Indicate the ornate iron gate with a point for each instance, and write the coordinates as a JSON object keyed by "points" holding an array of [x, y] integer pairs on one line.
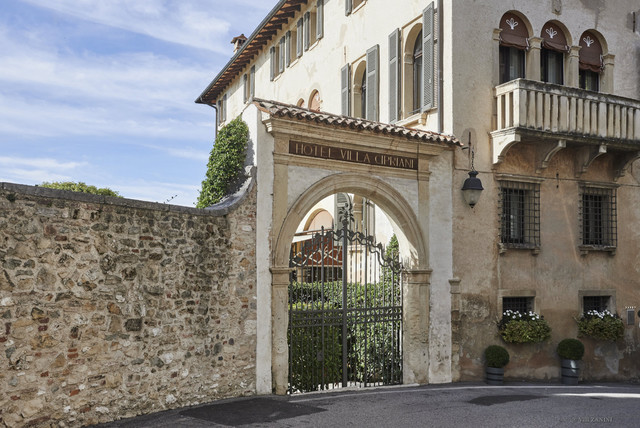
{"points": [[345, 312]]}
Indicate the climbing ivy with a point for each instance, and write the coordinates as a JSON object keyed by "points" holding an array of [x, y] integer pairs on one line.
{"points": [[225, 162], [80, 187]]}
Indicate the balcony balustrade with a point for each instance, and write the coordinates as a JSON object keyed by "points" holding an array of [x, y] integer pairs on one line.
{"points": [[554, 117]]}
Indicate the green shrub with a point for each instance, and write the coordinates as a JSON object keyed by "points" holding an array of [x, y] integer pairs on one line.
{"points": [[80, 187], [600, 325], [225, 162], [570, 349], [496, 356], [527, 327]]}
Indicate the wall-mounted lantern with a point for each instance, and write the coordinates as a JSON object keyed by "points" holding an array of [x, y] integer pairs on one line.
{"points": [[472, 187]]}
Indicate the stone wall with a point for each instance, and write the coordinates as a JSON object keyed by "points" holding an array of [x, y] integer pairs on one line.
{"points": [[111, 308]]}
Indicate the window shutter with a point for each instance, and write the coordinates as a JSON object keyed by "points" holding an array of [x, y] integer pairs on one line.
{"points": [[348, 6], [252, 82], [219, 112], [307, 31], [427, 58], [281, 52], [287, 49], [299, 37], [372, 83], [394, 76], [224, 108], [345, 86], [319, 19], [272, 55], [245, 88]]}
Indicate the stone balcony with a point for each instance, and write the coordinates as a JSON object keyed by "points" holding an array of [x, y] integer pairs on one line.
{"points": [[554, 117]]}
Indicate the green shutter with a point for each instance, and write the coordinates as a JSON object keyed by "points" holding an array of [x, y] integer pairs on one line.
{"points": [[394, 76], [372, 83], [281, 52], [307, 31], [427, 58], [345, 87], [245, 88], [319, 19], [272, 57], [299, 37], [252, 82], [287, 49], [348, 6]]}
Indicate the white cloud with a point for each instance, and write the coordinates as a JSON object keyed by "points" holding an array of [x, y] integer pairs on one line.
{"points": [[192, 23], [36, 170]]}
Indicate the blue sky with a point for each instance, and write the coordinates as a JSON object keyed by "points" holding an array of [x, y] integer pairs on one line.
{"points": [[102, 91]]}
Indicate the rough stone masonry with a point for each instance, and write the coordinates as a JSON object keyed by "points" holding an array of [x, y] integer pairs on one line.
{"points": [[111, 308]]}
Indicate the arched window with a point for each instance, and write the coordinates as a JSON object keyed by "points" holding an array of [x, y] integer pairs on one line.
{"points": [[554, 47], [363, 96], [300, 103], [514, 40], [417, 74], [590, 61], [314, 101]]}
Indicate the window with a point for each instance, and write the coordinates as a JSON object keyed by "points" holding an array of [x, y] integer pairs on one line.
{"points": [[417, 74], [314, 101], [222, 109], [598, 217], [520, 214], [345, 88], [595, 303], [590, 61], [514, 40], [287, 48], [394, 76], [319, 19], [363, 96], [517, 304], [351, 5], [554, 47]]}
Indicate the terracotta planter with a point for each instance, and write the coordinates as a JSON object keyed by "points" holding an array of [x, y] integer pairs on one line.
{"points": [[570, 372], [494, 375]]}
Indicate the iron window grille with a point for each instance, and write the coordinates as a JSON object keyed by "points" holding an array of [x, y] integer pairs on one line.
{"points": [[595, 303], [598, 217], [517, 304], [519, 214]]}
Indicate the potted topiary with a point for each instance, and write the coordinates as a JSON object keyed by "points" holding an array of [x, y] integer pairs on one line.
{"points": [[496, 357], [571, 352]]}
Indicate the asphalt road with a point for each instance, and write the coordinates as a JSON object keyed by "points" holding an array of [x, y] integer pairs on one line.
{"points": [[452, 405]]}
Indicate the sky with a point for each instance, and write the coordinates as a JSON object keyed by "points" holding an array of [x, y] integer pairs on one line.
{"points": [[103, 91]]}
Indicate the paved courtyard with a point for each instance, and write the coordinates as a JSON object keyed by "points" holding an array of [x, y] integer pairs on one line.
{"points": [[451, 405]]}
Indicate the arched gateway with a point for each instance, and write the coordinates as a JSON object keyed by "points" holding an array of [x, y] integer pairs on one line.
{"points": [[302, 157]]}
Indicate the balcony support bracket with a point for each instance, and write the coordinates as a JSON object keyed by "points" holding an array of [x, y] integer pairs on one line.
{"points": [[586, 155], [622, 162], [546, 151], [501, 142]]}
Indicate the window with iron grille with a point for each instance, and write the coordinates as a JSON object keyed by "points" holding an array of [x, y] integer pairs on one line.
{"points": [[517, 304], [520, 214], [598, 223], [595, 303]]}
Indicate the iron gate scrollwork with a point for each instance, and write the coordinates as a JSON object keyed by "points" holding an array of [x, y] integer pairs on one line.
{"points": [[345, 312]]}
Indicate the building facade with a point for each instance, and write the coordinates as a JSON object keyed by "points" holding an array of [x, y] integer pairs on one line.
{"points": [[542, 99]]}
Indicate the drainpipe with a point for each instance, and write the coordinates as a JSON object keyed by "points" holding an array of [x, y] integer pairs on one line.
{"points": [[440, 59]]}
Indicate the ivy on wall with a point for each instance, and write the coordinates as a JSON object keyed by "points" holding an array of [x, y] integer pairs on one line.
{"points": [[225, 162], [80, 187]]}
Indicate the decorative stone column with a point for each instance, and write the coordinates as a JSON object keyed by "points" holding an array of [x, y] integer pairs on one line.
{"points": [[280, 322], [573, 67], [416, 327], [532, 60], [607, 76]]}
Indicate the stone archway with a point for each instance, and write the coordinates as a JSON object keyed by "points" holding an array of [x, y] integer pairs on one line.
{"points": [[413, 251]]}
